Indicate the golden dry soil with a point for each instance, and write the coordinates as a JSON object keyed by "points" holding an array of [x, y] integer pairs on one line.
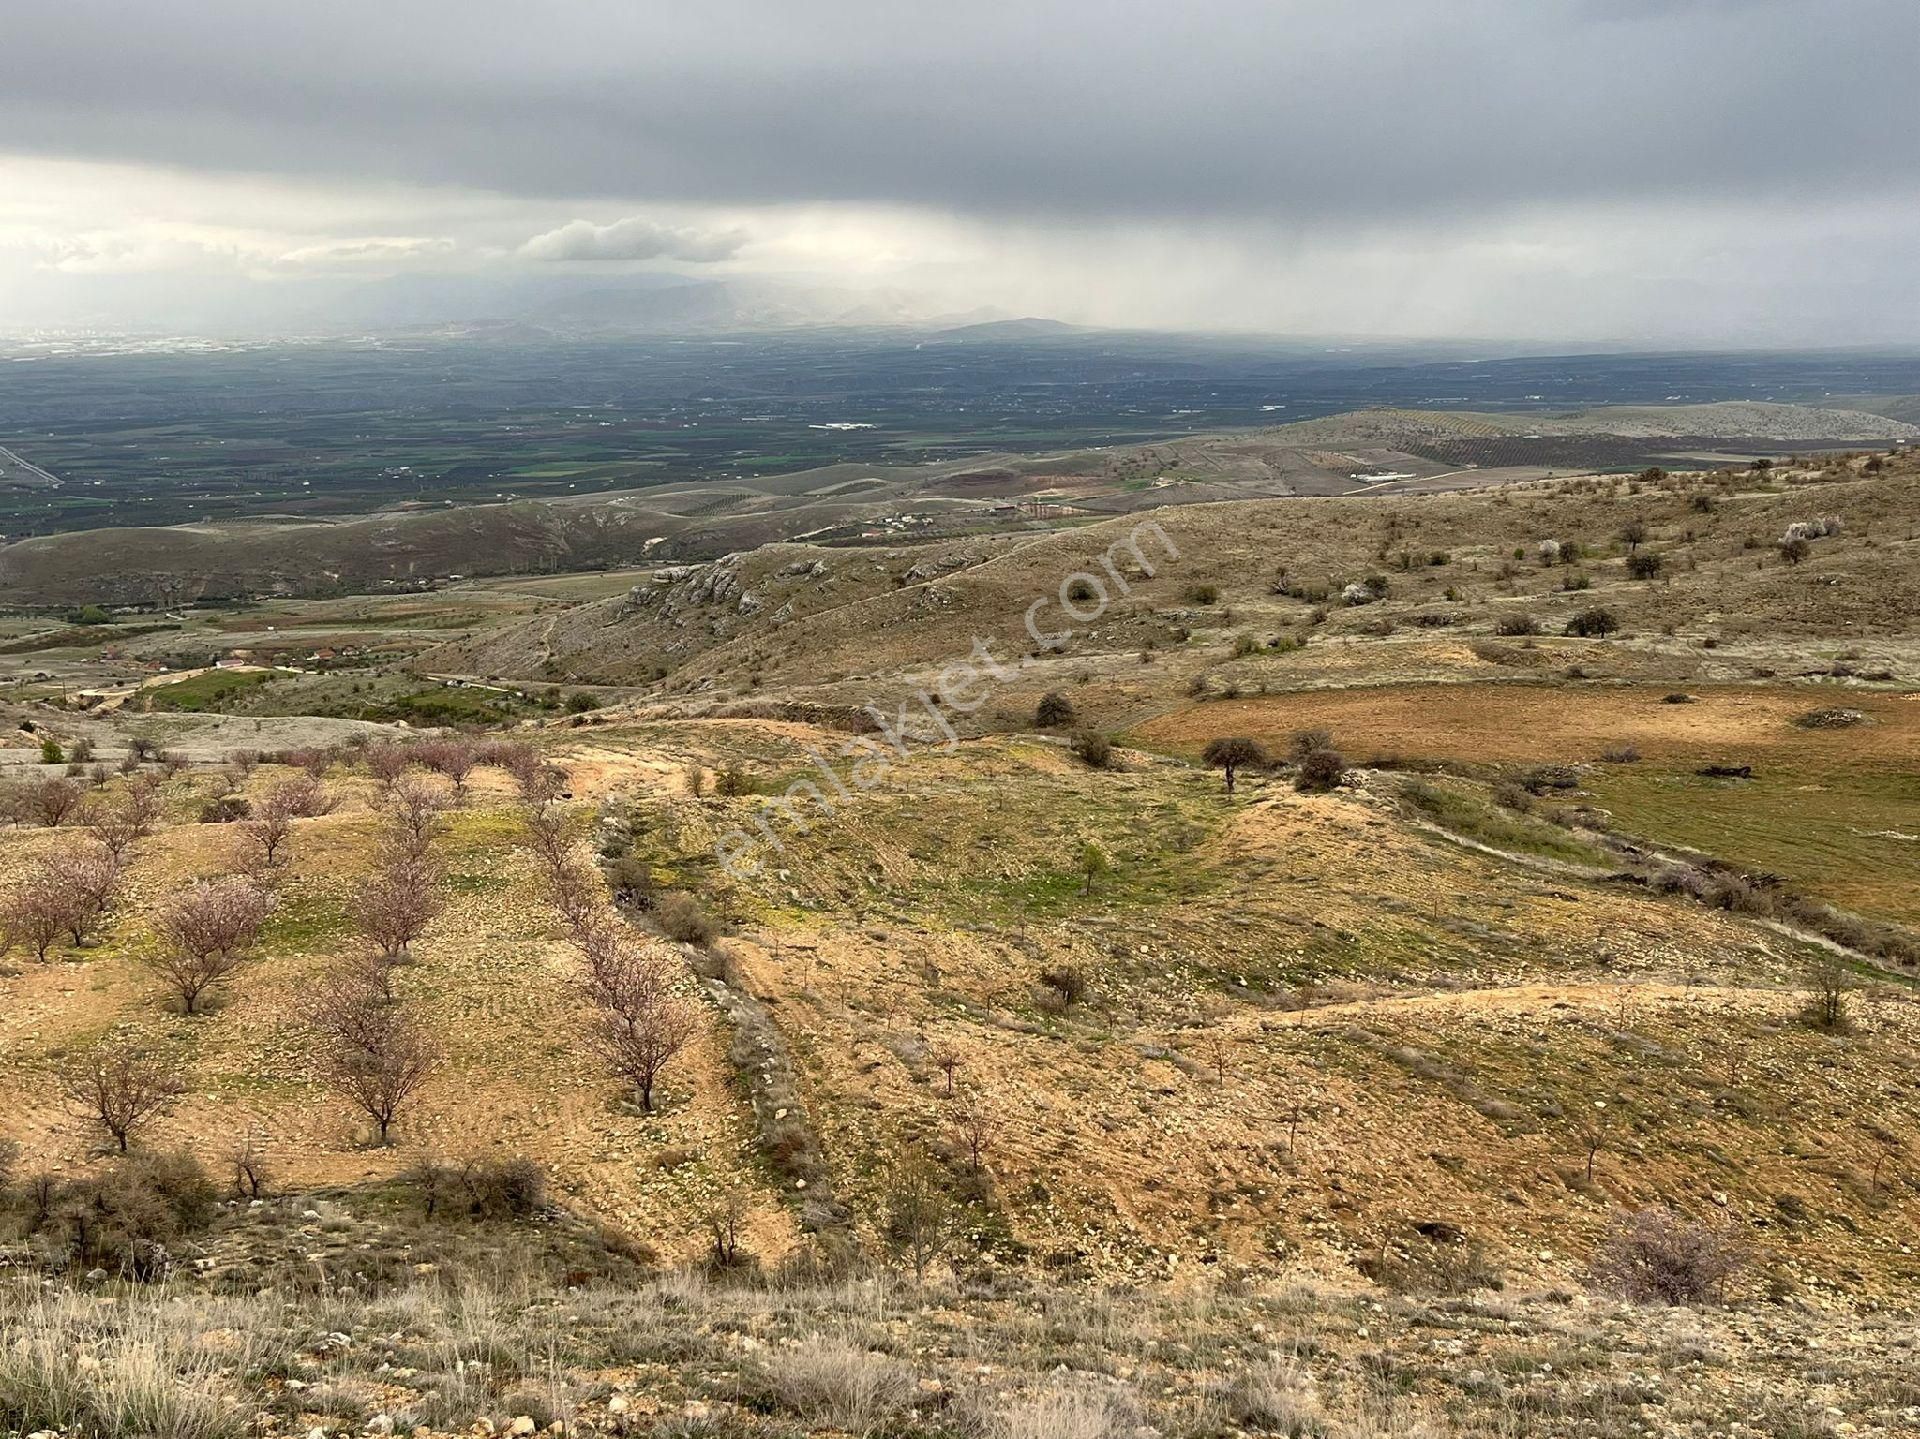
{"points": [[1563, 723], [1307, 1025], [490, 979]]}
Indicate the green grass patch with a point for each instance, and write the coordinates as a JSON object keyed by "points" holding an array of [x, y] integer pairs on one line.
{"points": [[1850, 836], [216, 691], [1454, 808]]}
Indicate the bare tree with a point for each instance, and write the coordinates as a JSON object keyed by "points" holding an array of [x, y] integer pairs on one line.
{"points": [[121, 1090], [207, 934], [917, 1213], [51, 801], [539, 782], [396, 904], [414, 812], [370, 1049], [455, 758], [975, 1126], [251, 1175], [91, 877], [387, 762], [1829, 980], [127, 817], [726, 1217], [37, 911], [546, 831], [947, 1059], [266, 833], [303, 796], [644, 1021], [573, 886]]}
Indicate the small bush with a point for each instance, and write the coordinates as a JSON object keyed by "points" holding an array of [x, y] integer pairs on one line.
{"points": [[1066, 981], [1521, 624], [513, 1188], [1594, 624], [630, 881], [733, 781], [1273, 1396], [1831, 719], [1620, 754], [1320, 772], [1659, 1257], [1093, 749], [1054, 710], [682, 917], [832, 1384], [132, 1219], [1201, 594], [228, 809], [1509, 795], [1542, 778], [1678, 697]]}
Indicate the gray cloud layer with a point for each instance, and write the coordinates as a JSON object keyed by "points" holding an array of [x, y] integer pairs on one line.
{"points": [[1315, 108], [1604, 168], [633, 239]]}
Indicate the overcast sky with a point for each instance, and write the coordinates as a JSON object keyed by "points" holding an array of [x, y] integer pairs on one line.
{"points": [[1636, 170]]}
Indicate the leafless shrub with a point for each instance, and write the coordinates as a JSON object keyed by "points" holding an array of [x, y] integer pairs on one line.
{"points": [[1273, 1396], [539, 783], [1067, 982], [832, 1384], [682, 917], [207, 934], [1307, 741], [369, 1049], [630, 881], [387, 762], [414, 812], [394, 905], [131, 1221], [36, 912], [49, 802], [1829, 981], [1093, 748], [916, 1212], [1656, 1256], [947, 1059], [122, 1091], [976, 1124], [303, 797], [726, 1219], [511, 1188], [455, 758], [643, 1021], [251, 1175], [1054, 710]]}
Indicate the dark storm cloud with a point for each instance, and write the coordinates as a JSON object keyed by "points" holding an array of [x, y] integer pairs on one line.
{"points": [[1315, 111]]}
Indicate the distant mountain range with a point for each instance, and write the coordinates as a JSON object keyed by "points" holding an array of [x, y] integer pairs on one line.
{"points": [[531, 306]]}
